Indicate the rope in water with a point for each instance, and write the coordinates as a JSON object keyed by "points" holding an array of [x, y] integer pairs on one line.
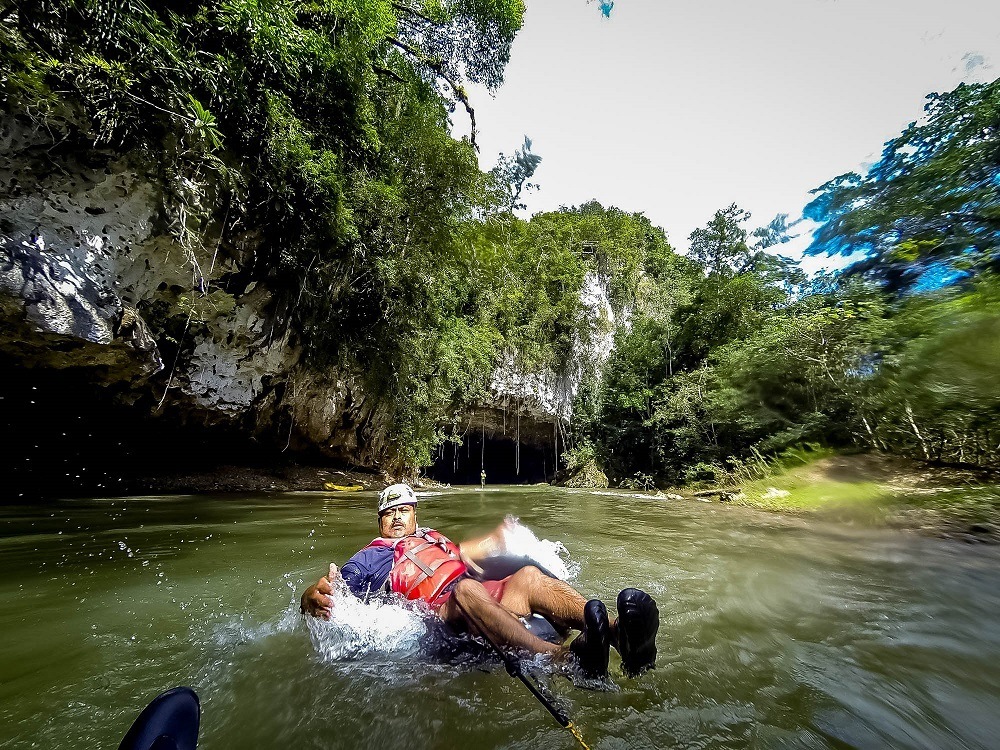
{"points": [[576, 733], [513, 667]]}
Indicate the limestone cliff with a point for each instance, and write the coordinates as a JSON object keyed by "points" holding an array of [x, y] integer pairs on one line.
{"points": [[120, 271], [523, 423], [547, 396], [114, 268]]}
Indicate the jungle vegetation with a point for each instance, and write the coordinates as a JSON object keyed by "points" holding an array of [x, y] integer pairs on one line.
{"points": [[320, 132], [733, 351], [318, 135]]}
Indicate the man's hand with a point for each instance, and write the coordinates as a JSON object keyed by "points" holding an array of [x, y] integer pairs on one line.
{"points": [[494, 543], [316, 600]]}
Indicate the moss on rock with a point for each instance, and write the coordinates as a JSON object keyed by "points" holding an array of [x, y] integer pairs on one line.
{"points": [[588, 476]]}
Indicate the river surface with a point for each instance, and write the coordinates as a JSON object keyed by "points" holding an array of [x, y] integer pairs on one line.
{"points": [[775, 632]]}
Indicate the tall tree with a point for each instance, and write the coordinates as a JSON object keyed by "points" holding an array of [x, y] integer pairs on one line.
{"points": [[929, 210], [721, 245], [454, 41]]}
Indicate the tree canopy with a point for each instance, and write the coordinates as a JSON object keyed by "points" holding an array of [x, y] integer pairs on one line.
{"points": [[316, 139], [929, 210]]}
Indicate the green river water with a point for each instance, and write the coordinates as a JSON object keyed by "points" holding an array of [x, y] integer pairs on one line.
{"points": [[775, 632]]}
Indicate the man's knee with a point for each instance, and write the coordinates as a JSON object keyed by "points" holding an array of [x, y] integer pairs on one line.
{"points": [[464, 596], [528, 576], [468, 590]]}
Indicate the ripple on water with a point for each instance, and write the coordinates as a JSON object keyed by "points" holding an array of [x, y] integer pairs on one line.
{"points": [[776, 632]]}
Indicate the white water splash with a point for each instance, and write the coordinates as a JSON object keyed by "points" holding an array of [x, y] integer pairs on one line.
{"points": [[357, 628], [519, 540], [239, 629]]}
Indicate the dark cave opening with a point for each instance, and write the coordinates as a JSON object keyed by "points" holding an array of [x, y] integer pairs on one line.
{"points": [[504, 461], [65, 436]]}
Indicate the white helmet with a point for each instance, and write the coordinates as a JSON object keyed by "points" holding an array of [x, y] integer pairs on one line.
{"points": [[396, 494]]}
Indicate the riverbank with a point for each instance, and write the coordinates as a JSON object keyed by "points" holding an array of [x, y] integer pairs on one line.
{"points": [[877, 489], [869, 489], [290, 477]]}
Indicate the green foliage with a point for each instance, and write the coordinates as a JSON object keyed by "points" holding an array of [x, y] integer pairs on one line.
{"points": [[735, 357], [931, 202], [205, 125], [324, 127], [470, 37], [528, 276], [757, 466], [800, 375], [935, 394], [721, 245], [726, 354], [578, 457], [639, 481], [744, 357], [514, 172], [703, 473]]}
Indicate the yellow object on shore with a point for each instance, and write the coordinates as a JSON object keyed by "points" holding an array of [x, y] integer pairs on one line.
{"points": [[342, 487]]}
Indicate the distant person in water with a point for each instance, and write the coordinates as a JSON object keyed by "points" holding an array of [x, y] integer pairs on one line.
{"points": [[419, 563], [482, 479]]}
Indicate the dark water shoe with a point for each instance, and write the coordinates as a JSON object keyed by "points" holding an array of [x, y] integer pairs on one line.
{"points": [[638, 621], [593, 645]]}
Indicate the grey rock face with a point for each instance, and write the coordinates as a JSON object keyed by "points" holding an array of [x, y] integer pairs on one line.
{"points": [[65, 226], [46, 298], [89, 237], [58, 295]]}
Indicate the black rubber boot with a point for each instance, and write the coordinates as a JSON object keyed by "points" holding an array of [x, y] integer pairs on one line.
{"points": [[592, 647], [638, 621]]}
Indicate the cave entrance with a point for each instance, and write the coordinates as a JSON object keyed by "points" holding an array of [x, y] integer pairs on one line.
{"points": [[498, 455], [69, 437]]}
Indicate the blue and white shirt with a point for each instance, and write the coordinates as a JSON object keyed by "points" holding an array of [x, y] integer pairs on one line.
{"points": [[367, 573]]}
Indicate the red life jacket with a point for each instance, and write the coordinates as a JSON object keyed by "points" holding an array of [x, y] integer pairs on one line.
{"points": [[423, 564]]}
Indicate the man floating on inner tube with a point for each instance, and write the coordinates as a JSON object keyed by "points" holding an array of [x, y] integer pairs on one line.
{"points": [[420, 563]]}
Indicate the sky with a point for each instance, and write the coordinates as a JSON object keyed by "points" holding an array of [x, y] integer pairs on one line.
{"points": [[678, 108]]}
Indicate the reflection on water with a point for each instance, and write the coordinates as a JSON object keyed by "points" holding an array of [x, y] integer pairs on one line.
{"points": [[775, 632]]}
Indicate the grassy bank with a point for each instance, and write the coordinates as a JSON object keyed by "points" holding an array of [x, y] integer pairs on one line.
{"points": [[878, 489]]}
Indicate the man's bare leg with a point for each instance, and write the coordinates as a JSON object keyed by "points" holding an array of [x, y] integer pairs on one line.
{"points": [[530, 591], [471, 603]]}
